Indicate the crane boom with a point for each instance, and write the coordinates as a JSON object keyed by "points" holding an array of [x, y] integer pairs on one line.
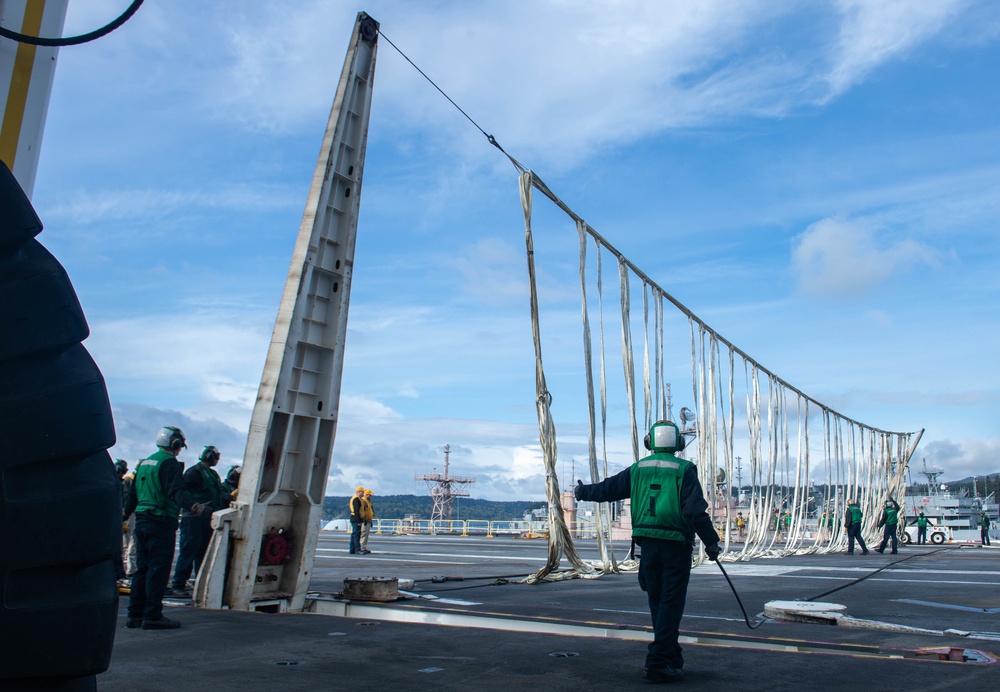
{"points": [[262, 550]]}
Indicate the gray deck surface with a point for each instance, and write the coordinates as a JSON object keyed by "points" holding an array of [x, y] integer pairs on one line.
{"points": [[418, 643]]}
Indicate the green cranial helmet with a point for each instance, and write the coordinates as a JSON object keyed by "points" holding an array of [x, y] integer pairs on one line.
{"points": [[121, 466], [171, 439], [210, 455], [664, 436]]}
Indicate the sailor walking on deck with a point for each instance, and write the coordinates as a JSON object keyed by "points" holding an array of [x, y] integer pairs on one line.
{"points": [[852, 522], [890, 521], [984, 527], [668, 509]]}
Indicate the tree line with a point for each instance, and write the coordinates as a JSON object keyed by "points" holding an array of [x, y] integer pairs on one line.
{"points": [[399, 506]]}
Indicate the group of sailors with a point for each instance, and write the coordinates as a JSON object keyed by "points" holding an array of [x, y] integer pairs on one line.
{"points": [[157, 497], [888, 521], [362, 513]]}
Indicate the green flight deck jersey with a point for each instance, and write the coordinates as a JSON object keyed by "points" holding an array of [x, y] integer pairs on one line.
{"points": [[656, 491], [151, 495]]}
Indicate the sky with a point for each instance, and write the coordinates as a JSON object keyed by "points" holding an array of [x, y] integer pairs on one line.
{"points": [[818, 181]]}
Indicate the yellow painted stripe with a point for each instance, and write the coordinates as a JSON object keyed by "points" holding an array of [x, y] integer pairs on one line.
{"points": [[17, 97]]}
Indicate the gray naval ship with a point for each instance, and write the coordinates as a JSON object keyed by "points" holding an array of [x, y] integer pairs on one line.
{"points": [[953, 515]]}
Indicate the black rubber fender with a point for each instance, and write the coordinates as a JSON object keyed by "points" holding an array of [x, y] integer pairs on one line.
{"points": [[60, 499], [41, 311]]}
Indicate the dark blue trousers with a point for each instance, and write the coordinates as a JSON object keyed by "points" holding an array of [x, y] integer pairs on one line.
{"points": [[153, 555], [664, 572], [356, 538], [888, 533], [854, 532], [196, 532]]}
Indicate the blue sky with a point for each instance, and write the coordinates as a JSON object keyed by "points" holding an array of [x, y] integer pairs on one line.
{"points": [[819, 182]]}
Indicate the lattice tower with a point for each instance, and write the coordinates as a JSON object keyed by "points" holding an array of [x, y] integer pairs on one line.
{"points": [[444, 489]]}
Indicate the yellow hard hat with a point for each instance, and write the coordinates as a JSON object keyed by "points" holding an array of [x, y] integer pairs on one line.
{"points": [[358, 489], [368, 492]]}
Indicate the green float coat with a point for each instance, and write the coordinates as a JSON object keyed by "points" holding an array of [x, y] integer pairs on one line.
{"points": [[656, 492], [211, 490], [151, 495]]}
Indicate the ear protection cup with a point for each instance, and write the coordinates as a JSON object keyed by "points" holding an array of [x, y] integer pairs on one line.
{"points": [[171, 439], [645, 442], [681, 443]]}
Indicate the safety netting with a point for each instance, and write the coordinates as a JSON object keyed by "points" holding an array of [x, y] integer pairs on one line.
{"points": [[794, 460]]}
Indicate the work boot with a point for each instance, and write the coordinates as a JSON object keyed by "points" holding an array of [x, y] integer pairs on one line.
{"points": [[132, 623], [174, 592], [163, 623], [865, 552], [666, 674]]}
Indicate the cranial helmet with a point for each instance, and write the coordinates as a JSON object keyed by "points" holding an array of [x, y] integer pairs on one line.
{"points": [[121, 466], [171, 439], [234, 474], [210, 455], [664, 436]]}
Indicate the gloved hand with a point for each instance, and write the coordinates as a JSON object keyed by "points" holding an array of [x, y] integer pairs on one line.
{"points": [[203, 509], [124, 527], [576, 490], [713, 551]]}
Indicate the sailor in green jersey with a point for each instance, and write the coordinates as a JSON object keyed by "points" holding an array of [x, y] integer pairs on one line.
{"points": [[921, 528], [668, 509], [852, 522], [890, 521], [984, 527], [232, 483], [203, 484], [156, 497]]}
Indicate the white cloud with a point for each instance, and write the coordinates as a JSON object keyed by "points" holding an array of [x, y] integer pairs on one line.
{"points": [[581, 76], [167, 357], [873, 33], [93, 206], [838, 258], [960, 459]]}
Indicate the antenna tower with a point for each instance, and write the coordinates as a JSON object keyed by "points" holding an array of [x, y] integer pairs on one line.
{"points": [[932, 476], [444, 489]]}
